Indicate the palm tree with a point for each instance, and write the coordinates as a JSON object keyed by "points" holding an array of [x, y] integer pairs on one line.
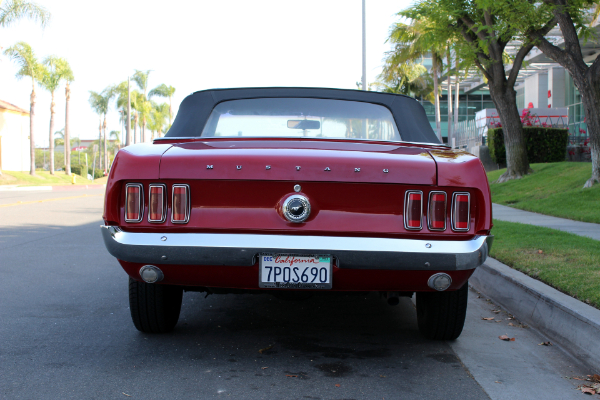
{"points": [[64, 70], [61, 137], [23, 55], [50, 81], [99, 103], [158, 116], [14, 10], [117, 136], [413, 42], [141, 80], [164, 91], [409, 78]]}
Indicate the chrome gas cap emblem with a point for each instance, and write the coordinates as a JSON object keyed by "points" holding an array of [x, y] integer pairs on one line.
{"points": [[296, 208]]}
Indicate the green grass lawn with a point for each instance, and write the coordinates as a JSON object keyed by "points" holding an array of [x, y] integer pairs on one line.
{"points": [[42, 178], [567, 262], [553, 189]]}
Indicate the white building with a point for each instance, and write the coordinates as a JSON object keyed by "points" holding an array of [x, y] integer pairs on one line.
{"points": [[14, 138]]}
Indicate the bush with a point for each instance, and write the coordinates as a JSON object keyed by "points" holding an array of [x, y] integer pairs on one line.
{"points": [[543, 144], [80, 170]]}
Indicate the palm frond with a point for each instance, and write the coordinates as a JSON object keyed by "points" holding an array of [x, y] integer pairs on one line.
{"points": [[23, 55], [141, 79], [162, 91], [14, 10]]}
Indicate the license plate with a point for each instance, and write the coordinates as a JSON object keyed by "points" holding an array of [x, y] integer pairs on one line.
{"points": [[289, 271]]}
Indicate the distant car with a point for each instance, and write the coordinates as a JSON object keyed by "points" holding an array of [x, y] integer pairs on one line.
{"points": [[292, 191]]}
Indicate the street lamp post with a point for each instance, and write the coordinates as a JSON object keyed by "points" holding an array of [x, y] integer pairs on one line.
{"points": [[364, 48]]}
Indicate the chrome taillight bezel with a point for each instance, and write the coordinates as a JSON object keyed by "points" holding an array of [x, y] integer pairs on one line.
{"points": [[429, 211], [187, 209], [164, 208], [406, 196], [453, 216], [141, 200]]}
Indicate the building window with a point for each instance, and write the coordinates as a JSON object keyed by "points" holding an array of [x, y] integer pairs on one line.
{"points": [[521, 98], [578, 131]]}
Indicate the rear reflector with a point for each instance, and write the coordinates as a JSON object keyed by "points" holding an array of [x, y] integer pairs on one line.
{"points": [[461, 218], [156, 203], [181, 204], [413, 210], [436, 216], [134, 202]]}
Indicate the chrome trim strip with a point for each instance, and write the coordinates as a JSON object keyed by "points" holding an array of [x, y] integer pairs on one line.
{"points": [[429, 210], [164, 209], [141, 205], [406, 194], [445, 146], [187, 210], [241, 249], [452, 219]]}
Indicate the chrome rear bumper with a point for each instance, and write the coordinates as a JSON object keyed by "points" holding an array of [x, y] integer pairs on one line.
{"points": [[242, 249]]}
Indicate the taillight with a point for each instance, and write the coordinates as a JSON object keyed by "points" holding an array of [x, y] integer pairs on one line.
{"points": [[461, 218], [413, 210], [181, 204], [134, 202], [157, 203], [436, 215]]}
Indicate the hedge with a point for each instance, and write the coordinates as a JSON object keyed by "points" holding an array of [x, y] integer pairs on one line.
{"points": [[77, 169], [543, 144]]}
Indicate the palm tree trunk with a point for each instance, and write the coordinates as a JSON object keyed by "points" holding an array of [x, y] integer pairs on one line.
{"points": [[135, 126], [51, 143], [99, 144], [456, 92], [31, 118], [449, 99], [170, 112], [67, 135], [105, 146], [438, 129]]}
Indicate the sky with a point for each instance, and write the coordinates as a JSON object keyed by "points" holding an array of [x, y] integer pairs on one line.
{"points": [[195, 45]]}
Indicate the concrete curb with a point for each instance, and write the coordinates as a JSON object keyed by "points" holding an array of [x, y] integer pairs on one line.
{"points": [[13, 188], [565, 320]]}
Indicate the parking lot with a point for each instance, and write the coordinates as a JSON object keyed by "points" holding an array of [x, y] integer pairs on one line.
{"points": [[66, 332]]}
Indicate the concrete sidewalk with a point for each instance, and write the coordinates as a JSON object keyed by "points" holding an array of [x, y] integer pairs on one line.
{"points": [[15, 188], [504, 213]]}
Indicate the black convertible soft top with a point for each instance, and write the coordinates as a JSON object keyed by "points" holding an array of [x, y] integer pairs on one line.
{"points": [[196, 108]]}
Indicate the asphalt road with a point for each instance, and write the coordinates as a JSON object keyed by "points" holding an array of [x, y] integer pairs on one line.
{"points": [[66, 332]]}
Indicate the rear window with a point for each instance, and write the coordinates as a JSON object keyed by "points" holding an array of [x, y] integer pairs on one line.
{"points": [[301, 117]]}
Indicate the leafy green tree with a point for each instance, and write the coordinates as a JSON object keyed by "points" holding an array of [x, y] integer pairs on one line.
{"points": [[167, 92], [484, 27], [22, 54], [573, 17], [14, 10]]}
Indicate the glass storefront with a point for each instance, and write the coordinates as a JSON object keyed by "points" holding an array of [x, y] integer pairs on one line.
{"points": [[469, 104], [577, 127]]}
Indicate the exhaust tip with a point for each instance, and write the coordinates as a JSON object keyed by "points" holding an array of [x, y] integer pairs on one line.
{"points": [[393, 298], [151, 274], [439, 281]]}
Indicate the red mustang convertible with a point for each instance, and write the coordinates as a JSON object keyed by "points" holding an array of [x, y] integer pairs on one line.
{"points": [[292, 191]]}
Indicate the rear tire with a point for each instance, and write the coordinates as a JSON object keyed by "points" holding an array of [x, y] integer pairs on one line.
{"points": [[441, 315], [154, 308]]}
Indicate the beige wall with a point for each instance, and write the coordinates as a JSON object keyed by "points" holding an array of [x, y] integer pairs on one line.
{"points": [[14, 133]]}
